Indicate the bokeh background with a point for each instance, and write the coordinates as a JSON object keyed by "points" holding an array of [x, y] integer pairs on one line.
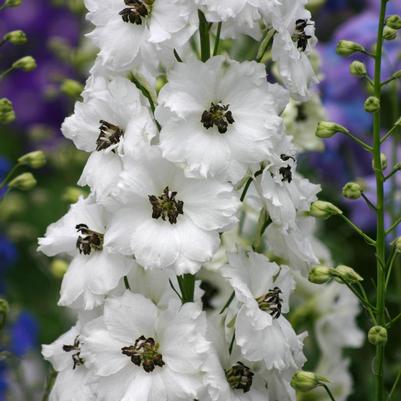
{"points": [[30, 282]]}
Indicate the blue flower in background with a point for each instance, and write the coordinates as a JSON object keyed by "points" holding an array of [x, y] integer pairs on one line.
{"points": [[24, 334], [8, 253]]}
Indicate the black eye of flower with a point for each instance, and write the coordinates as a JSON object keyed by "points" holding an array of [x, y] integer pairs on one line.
{"points": [[218, 115], [135, 11], [89, 240], [299, 36], [166, 206], [110, 134], [271, 302], [240, 377], [76, 349]]}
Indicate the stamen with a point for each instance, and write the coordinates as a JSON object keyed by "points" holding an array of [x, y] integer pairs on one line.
{"points": [[219, 115], [166, 206], [144, 352], [299, 36], [271, 302], [89, 241], [240, 377], [110, 134], [78, 361], [135, 11]]}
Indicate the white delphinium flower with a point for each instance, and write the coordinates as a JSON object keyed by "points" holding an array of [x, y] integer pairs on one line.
{"points": [[129, 32], [220, 117], [113, 122], [294, 245], [166, 219], [139, 352], [292, 43], [301, 119], [262, 289], [73, 377], [285, 193], [228, 375], [94, 271]]}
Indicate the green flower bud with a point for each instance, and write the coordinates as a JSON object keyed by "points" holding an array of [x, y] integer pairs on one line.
{"points": [[26, 64], [322, 209], [397, 244], [58, 267], [24, 182], [72, 194], [345, 273], [36, 159], [389, 33], [305, 381], [326, 129], [4, 309], [346, 48], [383, 162], [16, 37], [319, 274], [352, 190], [12, 3], [372, 104], [7, 114], [72, 88], [377, 335], [358, 69], [394, 21]]}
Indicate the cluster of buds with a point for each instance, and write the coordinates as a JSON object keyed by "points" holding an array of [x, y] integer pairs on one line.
{"points": [[321, 274]]}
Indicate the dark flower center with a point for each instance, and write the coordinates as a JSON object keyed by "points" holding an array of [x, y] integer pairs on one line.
{"points": [[271, 302], [89, 240], [218, 115], [166, 206], [76, 349], [135, 11], [144, 352], [240, 377], [286, 172], [301, 113], [299, 36], [110, 134]]}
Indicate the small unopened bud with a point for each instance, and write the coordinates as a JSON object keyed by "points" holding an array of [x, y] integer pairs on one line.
{"points": [[383, 162], [352, 190], [7, 114], [372, 104], [72, 194], [394, 21], [24, 182], [58, 268], [4, 309], [345, 273], [324, 210], [397, 244], [358, 69], [326, 129], [377, 335], [16, 37], [319, 274], [26, 64], [389, 33], [36, 159], [72, 88], [12, 3], [346, 48], [305, 381]]}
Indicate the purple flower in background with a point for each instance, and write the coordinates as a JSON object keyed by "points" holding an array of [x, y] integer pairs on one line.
{"points": [[8, 253], [24, 333]]}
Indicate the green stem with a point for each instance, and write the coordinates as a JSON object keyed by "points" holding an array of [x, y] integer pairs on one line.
{"points": [[366, 237], [4, 73], [390, 396], [228, 303], [8, 176], [217, 42], [394, 320], [389, 133], [394, 225], [50, 382], [330, 394], [204, 36], [380, 230], [367, 147], [187, 287]]}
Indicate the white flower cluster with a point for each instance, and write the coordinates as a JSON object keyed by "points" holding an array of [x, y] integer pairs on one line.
{"points": [[164, 222]]}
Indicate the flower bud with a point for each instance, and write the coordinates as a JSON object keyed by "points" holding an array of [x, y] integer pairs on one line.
{"points": [[36, 159], [305, 381], [358, 69], [72, 194], [4, 309], [383, 162], [319, 274], [394, 21], [377, 335], [58, 268], [71, 88], [326, 129], [322, 209], [26, 64], [397, 244], [7, 114], [24, 182], [352, 190], [12, 3], [346, 48], [372, 104], [16, 37], [389, 33], [345, 273]]}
